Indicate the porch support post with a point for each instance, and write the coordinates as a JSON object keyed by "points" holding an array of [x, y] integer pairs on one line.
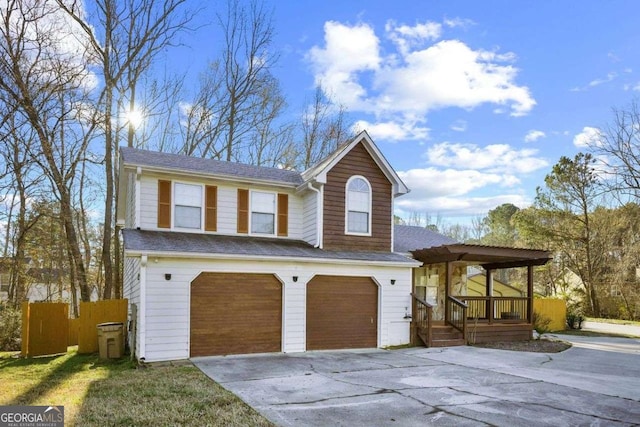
{"points": [[413, 326], [489, 300], [447, 290], [529, 293]]}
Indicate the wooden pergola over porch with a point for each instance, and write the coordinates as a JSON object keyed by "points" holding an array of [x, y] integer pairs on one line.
{"points": [[494, 314]]}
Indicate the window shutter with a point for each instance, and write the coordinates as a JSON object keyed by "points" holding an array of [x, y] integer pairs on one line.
{"points": [[211, 208], [243, 210], [164, 204], [283, 215]]}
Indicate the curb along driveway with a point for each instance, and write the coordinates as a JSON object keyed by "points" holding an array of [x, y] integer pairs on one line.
{"points": [[589, 384]]}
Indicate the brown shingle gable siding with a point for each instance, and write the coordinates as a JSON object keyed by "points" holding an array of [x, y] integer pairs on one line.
{"points": [[357, 162]]}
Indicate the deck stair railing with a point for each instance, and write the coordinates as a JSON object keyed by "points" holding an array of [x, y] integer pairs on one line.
{"points": [[457, 314], [422, 317]]}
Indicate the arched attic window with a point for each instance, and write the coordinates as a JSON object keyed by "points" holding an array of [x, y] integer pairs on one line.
{"points": [[358, 206]]}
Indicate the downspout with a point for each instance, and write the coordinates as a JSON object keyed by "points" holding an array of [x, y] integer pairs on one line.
{"points": [[319, 212], [136, 219], [142, 313]]}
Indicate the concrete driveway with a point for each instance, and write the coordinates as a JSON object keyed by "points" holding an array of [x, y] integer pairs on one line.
{"points": [[597, 382]]}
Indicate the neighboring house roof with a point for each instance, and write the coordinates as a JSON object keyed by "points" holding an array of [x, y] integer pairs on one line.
{"points": [[319, 171], [167, 162], [6, 263], [150, 242], [410, 238], [496, 283]]}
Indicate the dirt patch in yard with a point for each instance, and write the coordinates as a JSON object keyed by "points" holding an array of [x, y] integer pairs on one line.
{"points": [[533, 346]]}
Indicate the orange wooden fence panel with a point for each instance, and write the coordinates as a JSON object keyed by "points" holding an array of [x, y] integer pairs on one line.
{"points": [[45, 328], [94, 313], [74, 326]]}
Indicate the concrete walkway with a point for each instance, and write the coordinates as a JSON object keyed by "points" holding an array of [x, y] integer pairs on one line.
{"points": [[597, 382]]}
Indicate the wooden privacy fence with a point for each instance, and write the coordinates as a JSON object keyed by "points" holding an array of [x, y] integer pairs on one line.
{"points": [[553, 308], [94, 313], [47, 329]]}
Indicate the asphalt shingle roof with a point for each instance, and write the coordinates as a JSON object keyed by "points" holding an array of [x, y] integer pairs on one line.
{"points": [[171, 241], [177, 162], [409, 238]]}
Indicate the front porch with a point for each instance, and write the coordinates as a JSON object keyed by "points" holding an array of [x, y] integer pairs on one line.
{"points": [[442, 306]]}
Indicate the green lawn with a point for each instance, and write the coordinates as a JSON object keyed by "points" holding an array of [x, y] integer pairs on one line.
{"points": [[96, 392]]}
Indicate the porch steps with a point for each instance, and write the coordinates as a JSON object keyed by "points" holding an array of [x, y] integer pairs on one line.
{"points": [[445, 336]]}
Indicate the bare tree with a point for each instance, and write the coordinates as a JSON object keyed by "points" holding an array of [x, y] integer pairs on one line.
{"points": [[238, 101], [24, 181], [324, 128], [130, 36], [45, 80], [619, 148]]}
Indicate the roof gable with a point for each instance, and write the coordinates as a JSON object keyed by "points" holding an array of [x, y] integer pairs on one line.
{"points": [[319, 171]]}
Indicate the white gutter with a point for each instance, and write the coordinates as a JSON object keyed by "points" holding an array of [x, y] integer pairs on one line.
{"points": [[220, 177], [319, 211], [308, 260], [142, 325]]}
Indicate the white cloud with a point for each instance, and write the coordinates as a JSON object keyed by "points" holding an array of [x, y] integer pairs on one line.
{"points": [[458, 22], [445, 191], [348, 51], [468, 206], [459, 126], [418, 75], [597, 82], [433, 182], [588, 137], [499, 158], [449, 74], [394, 130], [406, 37], [534, 135]]}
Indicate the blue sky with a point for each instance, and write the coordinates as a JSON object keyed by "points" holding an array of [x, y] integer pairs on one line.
{"points": [[472, 102]]}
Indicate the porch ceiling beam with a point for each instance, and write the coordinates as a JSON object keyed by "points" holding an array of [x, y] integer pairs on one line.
{"points": [[518, 263]]}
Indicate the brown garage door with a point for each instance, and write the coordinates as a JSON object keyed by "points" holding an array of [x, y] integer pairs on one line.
{"points": [[235, 313], [342, 312]]}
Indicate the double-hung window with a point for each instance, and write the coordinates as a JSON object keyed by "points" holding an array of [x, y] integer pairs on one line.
{"points": [[263, 212], [187, 206], [358, 204]]}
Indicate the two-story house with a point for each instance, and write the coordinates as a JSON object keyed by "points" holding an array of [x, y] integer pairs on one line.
{"points": [[226, 258]]}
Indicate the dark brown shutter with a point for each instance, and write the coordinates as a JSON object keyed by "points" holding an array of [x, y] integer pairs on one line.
{"points": [[164, 204], [211, 208], [283, 215], [243, 210]]}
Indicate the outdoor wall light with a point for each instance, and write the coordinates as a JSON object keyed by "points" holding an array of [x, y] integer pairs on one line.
{"points": [[167, 276], [393, 281], [295, 278]]}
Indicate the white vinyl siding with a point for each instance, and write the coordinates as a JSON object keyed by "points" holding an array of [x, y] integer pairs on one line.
{"points": [[130, 213], [168, 301], [227, 209], [310, 218]]}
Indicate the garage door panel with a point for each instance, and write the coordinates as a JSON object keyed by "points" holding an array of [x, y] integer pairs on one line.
{"points": [[235, 314], [342, 313]]}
